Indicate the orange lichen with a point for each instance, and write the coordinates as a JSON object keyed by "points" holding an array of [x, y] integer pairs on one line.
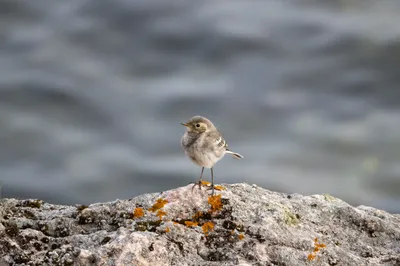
{"points": [[197, 216], [158, 205], [167, 230], [205, 183], [219, 188], [160, 214], [138, 212], [207, 227], [241, 236], [317, 248], [190, 224], [215, 202], [311, 257]]}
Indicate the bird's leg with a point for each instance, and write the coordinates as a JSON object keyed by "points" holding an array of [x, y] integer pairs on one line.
{"points": [[200, 179], [212, 181]]}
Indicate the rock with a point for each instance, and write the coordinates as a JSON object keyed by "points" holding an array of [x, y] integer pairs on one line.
{"points": [[241, 225]]}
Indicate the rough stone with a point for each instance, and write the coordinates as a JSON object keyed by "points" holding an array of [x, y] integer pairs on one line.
{"points": [[245, 225]]}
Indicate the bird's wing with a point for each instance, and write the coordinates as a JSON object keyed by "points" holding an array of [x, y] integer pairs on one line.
{"points": [[218, 139], [219, 142]]}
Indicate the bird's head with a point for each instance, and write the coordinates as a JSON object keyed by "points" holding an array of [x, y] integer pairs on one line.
{"points": [[198, 124]]}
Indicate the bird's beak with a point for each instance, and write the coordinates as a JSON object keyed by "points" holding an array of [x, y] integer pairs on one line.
{"points": [[185, 124]]}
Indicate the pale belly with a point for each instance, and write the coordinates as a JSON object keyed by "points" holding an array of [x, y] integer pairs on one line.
{"points": [[207, 160]]}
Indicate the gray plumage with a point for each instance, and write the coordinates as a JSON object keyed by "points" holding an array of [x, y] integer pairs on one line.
{"points": [[204, 144]]}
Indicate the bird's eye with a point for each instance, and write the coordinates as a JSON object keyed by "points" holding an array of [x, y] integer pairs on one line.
{"points": [[197, 125]]}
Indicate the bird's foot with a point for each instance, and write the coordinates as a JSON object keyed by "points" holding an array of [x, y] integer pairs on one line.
{"points": [[196, 184], [200, 183], [212, 188], [215, 187]]}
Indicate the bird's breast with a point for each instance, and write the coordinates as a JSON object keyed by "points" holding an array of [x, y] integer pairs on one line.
{"points": [[201, 156]]}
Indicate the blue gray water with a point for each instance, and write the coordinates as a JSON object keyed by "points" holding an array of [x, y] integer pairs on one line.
{"points": [[92, 93]]}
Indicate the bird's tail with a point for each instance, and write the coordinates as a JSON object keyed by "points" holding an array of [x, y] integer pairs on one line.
{"points": [[235, 155]]}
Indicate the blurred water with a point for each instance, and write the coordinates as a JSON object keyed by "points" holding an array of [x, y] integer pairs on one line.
{"points": [[92, 93]]}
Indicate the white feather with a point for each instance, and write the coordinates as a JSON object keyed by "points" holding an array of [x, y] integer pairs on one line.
{"points": [[235, 154]]}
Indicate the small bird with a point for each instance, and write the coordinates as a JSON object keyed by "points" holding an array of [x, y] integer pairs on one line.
{"points": [[204, 145]]}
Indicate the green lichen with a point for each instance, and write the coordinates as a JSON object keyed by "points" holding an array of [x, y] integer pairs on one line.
{"points": [[240, 228], [290, 218], [141, 227], [80, 208], [32, 203], [329, 198], [150, 226]]}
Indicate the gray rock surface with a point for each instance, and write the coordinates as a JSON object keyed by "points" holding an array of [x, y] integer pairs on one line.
{"points": [[245, 225]]}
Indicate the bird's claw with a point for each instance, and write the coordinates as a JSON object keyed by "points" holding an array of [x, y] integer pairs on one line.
{"points": [[211, 187], [202, 183], [198, 183]]}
